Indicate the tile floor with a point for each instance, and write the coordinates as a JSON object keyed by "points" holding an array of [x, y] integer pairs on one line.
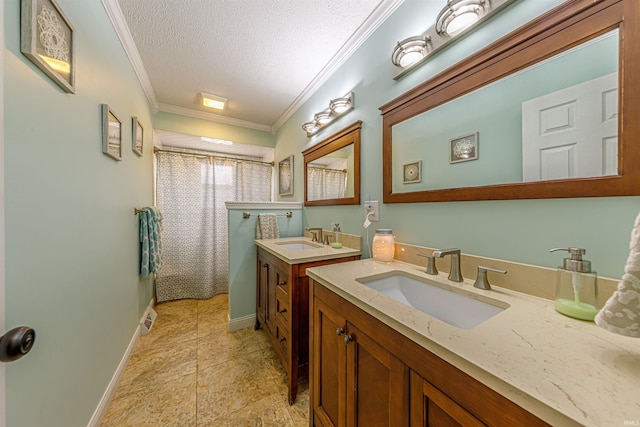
{"points": [[189, 371]]}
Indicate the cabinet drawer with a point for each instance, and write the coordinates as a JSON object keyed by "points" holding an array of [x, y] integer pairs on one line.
{"points": [[282, 280], [282, 344], [283, 310]]}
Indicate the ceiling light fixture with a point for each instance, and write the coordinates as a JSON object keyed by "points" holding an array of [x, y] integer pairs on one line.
{"points": [[213, 101], [410, 50], [216, 141], [337, 107], [458, 15]]}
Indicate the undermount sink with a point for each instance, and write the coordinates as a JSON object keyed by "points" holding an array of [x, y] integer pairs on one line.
{"points": [[298, 245], [451, 305]]}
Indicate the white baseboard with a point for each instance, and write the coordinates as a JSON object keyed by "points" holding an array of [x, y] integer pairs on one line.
{"points": [[241, 322], [100, 411]]}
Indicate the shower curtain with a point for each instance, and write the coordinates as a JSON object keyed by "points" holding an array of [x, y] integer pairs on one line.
{"points": [[324, 183], [191, 194]]}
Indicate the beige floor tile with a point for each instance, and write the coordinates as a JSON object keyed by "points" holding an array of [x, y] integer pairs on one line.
{"points": [[190, 371]]}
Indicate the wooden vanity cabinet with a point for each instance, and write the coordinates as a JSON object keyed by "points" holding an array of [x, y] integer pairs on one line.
{"points": [[364, 373], [282, 310]]}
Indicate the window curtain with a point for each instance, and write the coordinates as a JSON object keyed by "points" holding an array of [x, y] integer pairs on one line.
{"points": [[323, 183], [191, 194]]}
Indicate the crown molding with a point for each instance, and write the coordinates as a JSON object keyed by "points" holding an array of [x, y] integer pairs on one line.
{"points": [[174, 109], [122, 30], [375, 19]]}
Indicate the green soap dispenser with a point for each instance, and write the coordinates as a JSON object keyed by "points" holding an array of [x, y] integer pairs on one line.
{"points": [[576, 287]]}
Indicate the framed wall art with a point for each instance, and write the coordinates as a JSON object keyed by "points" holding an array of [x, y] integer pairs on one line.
{"points": [[137, 137], [463, 148], [285, 176], [47, 38], [412, 172], [111, 133]]}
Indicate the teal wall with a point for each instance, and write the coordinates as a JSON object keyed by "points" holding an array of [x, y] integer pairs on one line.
{"points": [[71, 233], [200, 127], [243, 253], [521, 231]]}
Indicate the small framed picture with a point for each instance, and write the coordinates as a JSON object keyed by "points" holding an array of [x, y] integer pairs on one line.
{"points": [[463, 148], [48, 40], [137, 137], [285, 176], [412, 172], [111, 134]]}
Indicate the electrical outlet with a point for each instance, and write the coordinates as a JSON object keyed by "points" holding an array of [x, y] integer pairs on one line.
{"points": [[372, 206]]}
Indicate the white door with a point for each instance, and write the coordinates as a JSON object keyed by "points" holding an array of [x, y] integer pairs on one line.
{"points": [[3, 405], [572, 133]]}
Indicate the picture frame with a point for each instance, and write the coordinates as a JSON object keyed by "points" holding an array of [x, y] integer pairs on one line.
{"points": [[137, 138], [111, 133], [47, 38], [463, 148], [285, 176], [412, 172]]}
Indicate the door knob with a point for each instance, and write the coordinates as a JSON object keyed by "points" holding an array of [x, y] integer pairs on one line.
{"points": [[16, 343]]}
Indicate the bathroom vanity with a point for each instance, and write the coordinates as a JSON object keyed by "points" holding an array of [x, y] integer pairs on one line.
{"points": [[375, 360], [282, 297]]}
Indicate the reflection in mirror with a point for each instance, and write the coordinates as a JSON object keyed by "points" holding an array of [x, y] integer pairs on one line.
{"points": [[554, 120], [539, 113], [331, 176], [332, 169]]}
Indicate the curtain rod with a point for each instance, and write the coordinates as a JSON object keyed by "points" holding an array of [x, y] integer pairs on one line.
{"points": [[215, 156]]}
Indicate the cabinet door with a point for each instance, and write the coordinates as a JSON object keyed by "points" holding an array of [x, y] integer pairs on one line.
{"points": [[261, 290], [431, 407], [329, 363], [377, 383]]}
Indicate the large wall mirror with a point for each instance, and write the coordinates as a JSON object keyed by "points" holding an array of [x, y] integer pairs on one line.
{"points": [[332, 169], [546, 112]]}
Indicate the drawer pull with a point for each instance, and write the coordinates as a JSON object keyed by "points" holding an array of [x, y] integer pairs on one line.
{"points": [[339, 331]]}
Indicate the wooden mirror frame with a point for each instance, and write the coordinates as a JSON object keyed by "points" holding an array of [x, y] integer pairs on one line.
{"points": [[562, 28], [345, 137]]}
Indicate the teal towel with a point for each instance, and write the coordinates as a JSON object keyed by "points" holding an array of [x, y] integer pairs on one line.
{"points": [[150, 242]]}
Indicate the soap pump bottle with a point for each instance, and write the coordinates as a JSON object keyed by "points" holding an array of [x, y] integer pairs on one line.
{"points": [[337, 244], [576, 287]]}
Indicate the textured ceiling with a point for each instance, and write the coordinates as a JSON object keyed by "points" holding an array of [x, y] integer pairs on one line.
{"points": [[263, 55]]}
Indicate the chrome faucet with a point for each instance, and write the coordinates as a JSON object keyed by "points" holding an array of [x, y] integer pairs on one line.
{"points": [[454, 273], [314, 234]]}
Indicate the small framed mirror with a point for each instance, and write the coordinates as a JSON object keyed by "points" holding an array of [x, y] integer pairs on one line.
{"points": [[332, 169]]}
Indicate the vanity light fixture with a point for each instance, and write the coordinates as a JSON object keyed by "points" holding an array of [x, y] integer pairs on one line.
{"points": [[410, 50], [337, 107], [458, 15], [213, 101]]}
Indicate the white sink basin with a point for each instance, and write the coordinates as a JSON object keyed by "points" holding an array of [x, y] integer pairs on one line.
{"points": [[298, 245], [451, 305]]}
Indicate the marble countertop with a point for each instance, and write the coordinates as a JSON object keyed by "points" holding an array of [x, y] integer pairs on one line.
{"points": [[565, 371], [316, 252]]}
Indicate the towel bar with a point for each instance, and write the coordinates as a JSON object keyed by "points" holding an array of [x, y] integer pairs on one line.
{"points": [[246, 215]]}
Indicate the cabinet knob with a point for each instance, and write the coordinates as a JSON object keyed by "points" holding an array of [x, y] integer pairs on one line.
{"points": [[284, 282], [339, 331], [284, 310], [265, 265], [283, 339], [348, 339]]}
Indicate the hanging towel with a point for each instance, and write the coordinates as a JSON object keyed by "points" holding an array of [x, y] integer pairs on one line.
{"points": [[150, 243], [621, 313], [267, 227]]}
